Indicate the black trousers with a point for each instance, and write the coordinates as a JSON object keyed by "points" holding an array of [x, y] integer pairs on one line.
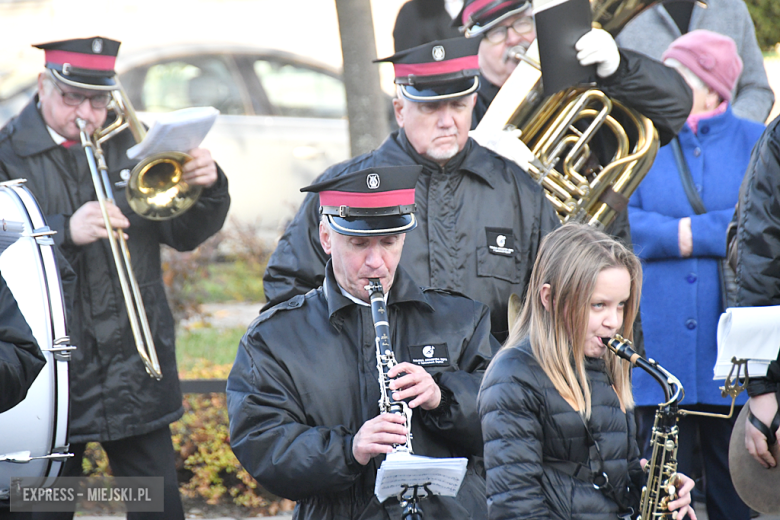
{"points": [[149, 455], [705, 438]]}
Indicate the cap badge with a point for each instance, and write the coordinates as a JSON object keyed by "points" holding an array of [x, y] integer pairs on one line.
{"points": [[438, 53], [372, 181], [97, 45]]}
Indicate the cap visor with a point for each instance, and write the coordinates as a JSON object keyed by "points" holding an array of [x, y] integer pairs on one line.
{"points": [[86, 82], [440, 92], [373, 226]]}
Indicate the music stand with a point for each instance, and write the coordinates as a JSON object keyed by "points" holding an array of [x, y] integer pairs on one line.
{"points": [[411, 478]]}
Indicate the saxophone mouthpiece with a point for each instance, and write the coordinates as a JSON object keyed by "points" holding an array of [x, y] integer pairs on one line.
{"points": [[622, 348]]}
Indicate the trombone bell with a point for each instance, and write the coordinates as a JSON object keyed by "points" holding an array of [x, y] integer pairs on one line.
{"points": [[155, 190]]}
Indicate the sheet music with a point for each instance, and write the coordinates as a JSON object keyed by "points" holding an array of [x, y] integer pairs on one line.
{"points": [[751, 333], [559, 25], [177, 131], [443, 476]]}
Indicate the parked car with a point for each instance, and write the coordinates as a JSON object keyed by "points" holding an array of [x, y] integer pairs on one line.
{"points": [[282, 116]]}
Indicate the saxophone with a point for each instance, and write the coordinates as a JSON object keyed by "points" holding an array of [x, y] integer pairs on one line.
{"points": [[385, 360], [662, 478]]}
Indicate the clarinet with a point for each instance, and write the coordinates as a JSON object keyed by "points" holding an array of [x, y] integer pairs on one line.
{"points": [[385, 360], [662, 478]]}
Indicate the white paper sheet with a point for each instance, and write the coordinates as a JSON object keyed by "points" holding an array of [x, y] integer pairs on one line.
{"points": [[751, 333], [402, 469], [178, 131]]}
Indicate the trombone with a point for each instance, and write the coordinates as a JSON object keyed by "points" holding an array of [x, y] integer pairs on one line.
{"points": [[132, 294]]}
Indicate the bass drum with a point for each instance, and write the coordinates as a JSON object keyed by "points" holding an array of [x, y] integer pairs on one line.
{"points": [[33, 434]]}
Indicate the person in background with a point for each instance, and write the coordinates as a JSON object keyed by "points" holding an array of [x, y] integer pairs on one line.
{"points": [[21, 359], [480, 216], [632, 78], [681, 248], [303, 392], [113, 400], [758, 281], [654, 30], [556, 407]]}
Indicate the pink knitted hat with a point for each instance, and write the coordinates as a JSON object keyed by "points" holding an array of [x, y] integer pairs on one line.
{"points": [[711, 56]]}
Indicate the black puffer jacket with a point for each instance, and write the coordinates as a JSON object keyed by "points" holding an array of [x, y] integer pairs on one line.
{"points": [[112, 396], [305, 381], [20, 358], [480, 221], [526, 423]]}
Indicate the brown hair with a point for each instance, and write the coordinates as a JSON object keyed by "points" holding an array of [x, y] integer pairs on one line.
{"points": [[570, 260]]}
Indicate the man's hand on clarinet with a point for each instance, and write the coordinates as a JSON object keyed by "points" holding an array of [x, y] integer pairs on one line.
{"points": [[201, 170], [378, 436], [417, 384], [87, 224]]}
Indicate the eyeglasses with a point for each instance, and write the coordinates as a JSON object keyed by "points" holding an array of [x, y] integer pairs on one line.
{"points": [[74, 99], [521, 26]]}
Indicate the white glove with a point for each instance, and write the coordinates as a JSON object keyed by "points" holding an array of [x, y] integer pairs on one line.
{"points": [[599, 47], [506, 143]]}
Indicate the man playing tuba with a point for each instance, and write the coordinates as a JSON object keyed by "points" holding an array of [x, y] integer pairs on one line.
{"points": [[113, 401]]}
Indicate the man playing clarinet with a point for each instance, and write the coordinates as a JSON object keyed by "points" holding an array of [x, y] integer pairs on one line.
{"points": [[303, 393]]}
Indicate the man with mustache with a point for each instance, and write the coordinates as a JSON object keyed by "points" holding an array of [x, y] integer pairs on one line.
{"points": [[481, 217]]}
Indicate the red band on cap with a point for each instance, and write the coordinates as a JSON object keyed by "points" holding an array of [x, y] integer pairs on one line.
{"points": [[367, 200], [481, 4], [80, 60], [436, 67]]}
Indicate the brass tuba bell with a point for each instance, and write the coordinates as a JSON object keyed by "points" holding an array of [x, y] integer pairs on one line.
{"points": [[557, 131]]}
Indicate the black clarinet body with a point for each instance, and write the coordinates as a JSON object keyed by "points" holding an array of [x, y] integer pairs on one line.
{"points": [[385, 360]]}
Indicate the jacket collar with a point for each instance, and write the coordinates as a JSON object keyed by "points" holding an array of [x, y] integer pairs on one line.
{"points": [[30, 135], [404, 291], [471, 159], [714, 124]]}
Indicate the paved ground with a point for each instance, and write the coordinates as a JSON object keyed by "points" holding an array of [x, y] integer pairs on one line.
{"points": [[230, 315]]}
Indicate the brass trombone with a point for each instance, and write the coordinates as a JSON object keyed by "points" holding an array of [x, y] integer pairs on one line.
{"points": [[132, 294], [155, 189]]}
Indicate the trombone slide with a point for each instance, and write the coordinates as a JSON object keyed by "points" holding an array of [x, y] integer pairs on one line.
{"points": [[136, 311]]}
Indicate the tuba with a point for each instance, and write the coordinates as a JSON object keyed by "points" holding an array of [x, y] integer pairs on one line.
{"points": [[557, 131]]}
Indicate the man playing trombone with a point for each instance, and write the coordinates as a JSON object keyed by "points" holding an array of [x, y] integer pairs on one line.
{"points": [[113, 400]]}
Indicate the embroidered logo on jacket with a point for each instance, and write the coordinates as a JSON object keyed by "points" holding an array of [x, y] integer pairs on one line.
{"points": [[500, 241], [430, 355]]}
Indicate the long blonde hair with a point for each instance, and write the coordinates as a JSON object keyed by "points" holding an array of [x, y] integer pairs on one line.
{"points": [[570, 260]]}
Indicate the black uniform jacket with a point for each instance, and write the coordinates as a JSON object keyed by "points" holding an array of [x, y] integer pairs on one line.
{"points": [[480, 221], [526, 425], [305, 381], [20, 358], [758, 234], [656, 91], [112, 396]]}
